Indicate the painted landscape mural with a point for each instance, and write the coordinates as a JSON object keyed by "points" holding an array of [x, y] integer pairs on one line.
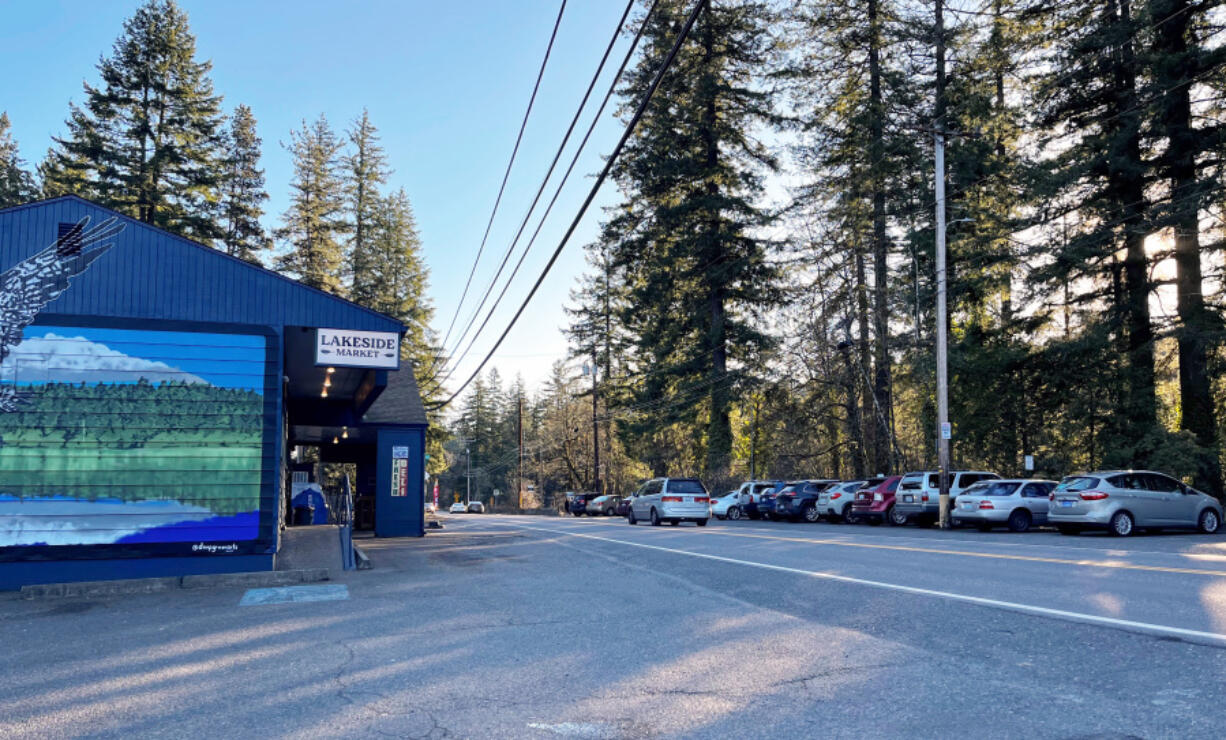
{"points": [[117, 436]]}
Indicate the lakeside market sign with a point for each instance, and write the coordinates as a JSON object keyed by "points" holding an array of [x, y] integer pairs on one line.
{"points": [[350, 348]]}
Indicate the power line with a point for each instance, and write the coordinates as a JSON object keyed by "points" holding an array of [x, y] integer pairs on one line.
{"points": [[604, 173], [557, 192], [523, 125], [558, 155]]}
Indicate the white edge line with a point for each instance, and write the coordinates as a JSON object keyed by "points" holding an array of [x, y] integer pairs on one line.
{"points": [[1214, 638]]}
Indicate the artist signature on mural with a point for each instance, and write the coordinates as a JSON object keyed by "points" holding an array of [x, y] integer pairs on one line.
{"points": [[213, 549]]}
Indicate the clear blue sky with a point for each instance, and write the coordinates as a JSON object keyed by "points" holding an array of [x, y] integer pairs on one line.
{"points": [[446, 84]]}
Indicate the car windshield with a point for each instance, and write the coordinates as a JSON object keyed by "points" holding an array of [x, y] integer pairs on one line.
{"points": [[854, 485], [1076, 483], [685, 486], [993, 489]]}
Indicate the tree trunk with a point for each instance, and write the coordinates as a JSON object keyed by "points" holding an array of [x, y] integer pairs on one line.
{"points": [[882, 403], [1196, 323], [1127, 184]]}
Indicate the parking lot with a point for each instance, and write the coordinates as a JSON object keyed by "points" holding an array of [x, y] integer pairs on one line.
{"points": [[518, 626]]}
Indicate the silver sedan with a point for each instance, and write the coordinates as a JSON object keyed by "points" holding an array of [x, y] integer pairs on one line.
{"points": [[1015, 503]]}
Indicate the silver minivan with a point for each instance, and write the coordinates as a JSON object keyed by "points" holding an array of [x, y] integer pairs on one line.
{"points": [[919, 494], [1121, 501], [672, 500]]}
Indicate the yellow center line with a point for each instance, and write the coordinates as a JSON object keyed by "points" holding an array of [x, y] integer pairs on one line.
{"points": [[989, 555]]}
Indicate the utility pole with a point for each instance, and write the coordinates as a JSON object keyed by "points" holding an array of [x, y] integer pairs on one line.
{"points": [[595, 429], [943, 428], [519, 467], [468, 477]]}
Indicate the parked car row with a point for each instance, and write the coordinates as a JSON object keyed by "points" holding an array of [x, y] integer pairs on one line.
{"points": [[1120, 501], [472, 507]]}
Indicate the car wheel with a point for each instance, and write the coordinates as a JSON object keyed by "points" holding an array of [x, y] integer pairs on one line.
{"points": [[848, 516], [630, 517], [1019, 521], [734, 513], [896, 517], [1068, 529], [811, 514], [701, 522], [1209, 522], [1122, 524], [655, 518]]}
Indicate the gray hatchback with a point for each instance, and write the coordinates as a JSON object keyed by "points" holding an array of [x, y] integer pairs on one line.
{"points": [[1122, 501]]}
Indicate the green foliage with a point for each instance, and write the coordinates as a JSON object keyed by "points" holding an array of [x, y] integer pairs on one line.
{"points": [[314, 224], [16, 184], [195, 444], [242, 193], [147, 140]]}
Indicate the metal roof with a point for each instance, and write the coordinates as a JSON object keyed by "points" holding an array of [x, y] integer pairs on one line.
{"points": [[150, 273], [400, 401]]}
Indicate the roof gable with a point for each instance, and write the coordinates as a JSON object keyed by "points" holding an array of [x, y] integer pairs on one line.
{"points": [[150, 273]]}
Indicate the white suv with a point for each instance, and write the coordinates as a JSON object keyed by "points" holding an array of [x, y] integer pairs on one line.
{"points": [[919, 494], [672, 500]]}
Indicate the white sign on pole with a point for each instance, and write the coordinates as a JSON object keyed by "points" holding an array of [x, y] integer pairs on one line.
{"points": [[349, 348], [1029, 462], [497, 492], [947, 431]]}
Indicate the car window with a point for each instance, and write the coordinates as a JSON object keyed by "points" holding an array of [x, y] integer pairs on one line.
{"points": [[1075, 483], [788, 489], [1161, 483], [1035, 490], [995, 489], [934, 480], [653, 487], [910, 482], [685, 486], [893, 485], [966, 479]]}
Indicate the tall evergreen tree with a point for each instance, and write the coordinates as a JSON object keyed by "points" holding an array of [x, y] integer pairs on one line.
{"points": [[365, 170], [1179, 57], [16, 184], [241, 192], [1093, 93], [696, 265], [147, 139], [314, 225]]}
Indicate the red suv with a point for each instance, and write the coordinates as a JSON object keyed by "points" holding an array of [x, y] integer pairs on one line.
{"points": [[876, 505]]}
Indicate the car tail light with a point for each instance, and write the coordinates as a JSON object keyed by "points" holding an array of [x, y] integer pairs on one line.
{"points": [[701, 500], [1051, 496], [671, 499], [835, 495], [924, 497], [878, 497], [1093, 496], [986, 505]]}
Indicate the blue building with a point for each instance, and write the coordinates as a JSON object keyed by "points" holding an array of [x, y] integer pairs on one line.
{"points": [[152, 390]]}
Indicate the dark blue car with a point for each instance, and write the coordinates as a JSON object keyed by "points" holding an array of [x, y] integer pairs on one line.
{"points": [[766, 501]]}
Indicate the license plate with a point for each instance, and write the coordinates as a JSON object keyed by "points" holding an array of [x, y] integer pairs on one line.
{"points": [[1066, 503], [907, 498]]}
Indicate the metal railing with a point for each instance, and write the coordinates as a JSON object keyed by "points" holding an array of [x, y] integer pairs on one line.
{"points": [[344, 518]]}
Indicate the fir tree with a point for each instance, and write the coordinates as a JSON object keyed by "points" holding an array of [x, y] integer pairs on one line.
{"points": [[16, 184], [696, 267], [313, 226], [365, 169], [242, 191], [147, 140]]}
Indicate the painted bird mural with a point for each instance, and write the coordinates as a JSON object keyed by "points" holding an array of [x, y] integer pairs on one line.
{"points": [[27, 287]]}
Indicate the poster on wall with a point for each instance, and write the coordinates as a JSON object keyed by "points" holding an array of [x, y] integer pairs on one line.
{"points": [[122, 436]]}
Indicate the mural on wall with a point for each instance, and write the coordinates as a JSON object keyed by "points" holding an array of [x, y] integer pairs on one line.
{"points": [[118, 436]]}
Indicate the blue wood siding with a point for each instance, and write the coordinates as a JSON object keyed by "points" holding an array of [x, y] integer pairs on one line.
{"points": [[151, 274]]}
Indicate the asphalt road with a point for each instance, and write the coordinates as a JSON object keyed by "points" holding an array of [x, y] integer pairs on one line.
{"points": [[543, 627]]}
